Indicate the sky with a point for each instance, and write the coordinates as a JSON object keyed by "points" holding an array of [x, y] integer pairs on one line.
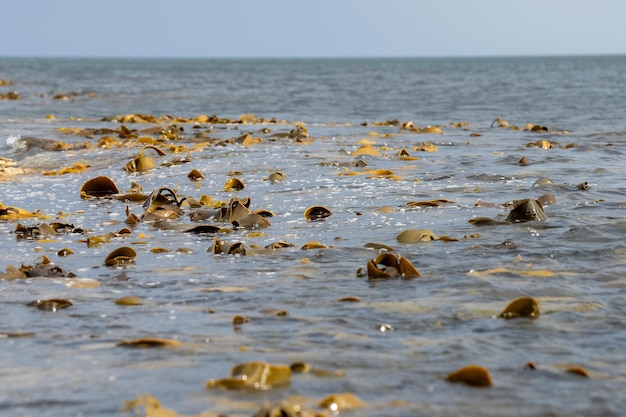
{"points": [[314, 28]]}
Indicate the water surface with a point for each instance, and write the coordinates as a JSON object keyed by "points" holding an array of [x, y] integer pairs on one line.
{"points": [[67, 361]]}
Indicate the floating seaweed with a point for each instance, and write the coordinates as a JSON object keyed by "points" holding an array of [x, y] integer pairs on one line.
{"points": [[195, 175], [390, 265], [473, 375], [142, 163], [101, 186], [521, 307], [315, 213], [150, 342], [337, 403], [525, 210], [416, 235], [53, 304], [120, 256], [129, 300], [234, 184], [254, 375]]}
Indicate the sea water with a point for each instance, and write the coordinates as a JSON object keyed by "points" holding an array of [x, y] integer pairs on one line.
{"points": [[398, 343]]}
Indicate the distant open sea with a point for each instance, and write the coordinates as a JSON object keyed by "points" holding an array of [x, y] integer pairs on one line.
{"points": [[354, 152]]}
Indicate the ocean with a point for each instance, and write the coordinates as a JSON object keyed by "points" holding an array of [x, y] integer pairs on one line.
{"points": [[442, 147]]}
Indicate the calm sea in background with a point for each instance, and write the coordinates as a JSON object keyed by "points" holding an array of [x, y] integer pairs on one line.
{"points": [[404, 336]]}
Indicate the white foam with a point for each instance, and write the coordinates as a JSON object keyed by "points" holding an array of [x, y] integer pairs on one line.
{"points": [[15, 143]]}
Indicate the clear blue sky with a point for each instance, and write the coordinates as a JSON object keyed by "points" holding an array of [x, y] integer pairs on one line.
{"points": [[313, 28]]}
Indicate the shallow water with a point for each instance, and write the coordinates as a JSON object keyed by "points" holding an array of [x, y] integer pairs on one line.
{"points": [[67, 362]]}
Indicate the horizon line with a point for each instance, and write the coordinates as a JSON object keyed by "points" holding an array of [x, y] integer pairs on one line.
{"points": [[312, 57]]}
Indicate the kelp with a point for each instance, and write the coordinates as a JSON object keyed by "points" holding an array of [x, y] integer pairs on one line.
{"points": [[234, 184], [143, 163], [368, 150], [252, 221], [52, 305], [525, 210], [426, 147], [150, 342], [521, 307], [43, 267], [275, 177], [429, 203], [473, 375], [416, 235], [234, 210], [336, 403], [304, 367], [539, 273], [254, 375], [17, 213], [390, 265], [120, 256], [129, 300], [315, 213], [77, 168], [162, 197], [101, 186], [195, 175]]}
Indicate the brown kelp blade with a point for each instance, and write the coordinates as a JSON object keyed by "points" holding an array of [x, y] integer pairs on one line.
{"points": [[255, 375], [315, 213], [120, 256], [526, 210], [474, 375], [101, 186], [521, 307]]}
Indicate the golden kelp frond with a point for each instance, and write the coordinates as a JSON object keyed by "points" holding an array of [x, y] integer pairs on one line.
{"points": [[148, 406], [150, 342], [101, 186], [542, 144], [275, 177], [120, 256], [315, 213], [390, 265], [429, 203], [248, 140], [195, 175], [404, 155], [141, 162], [254, 375], [234, 184], [366, 150], [416, 235], [426, 147], [382, 173], [52, 304], [251, 221], [77, 168], [17, 213], [521, 307], [313, 244], [432, 130], [528, 209], [129, 300], [108, 142], [474, 375], [539, 273], [337, 403], [499, 123]]}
